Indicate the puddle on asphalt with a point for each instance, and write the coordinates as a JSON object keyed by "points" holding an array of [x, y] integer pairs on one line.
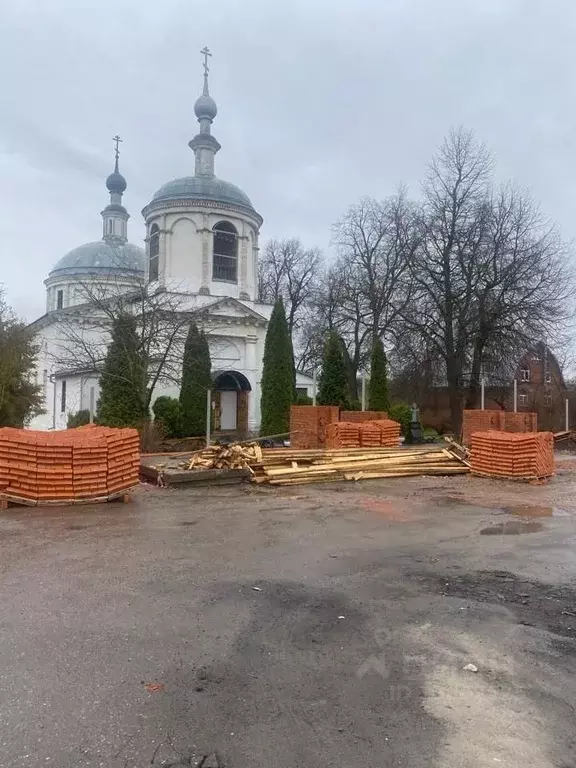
{"points": [[530, 510], [188, 522], [511, 528]]}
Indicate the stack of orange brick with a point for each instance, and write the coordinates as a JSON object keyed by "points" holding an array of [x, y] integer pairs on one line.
{"points": [[370, 434], [343, 434], [67, 466], [528, 456], [389, 433], [308, 425], [363, 415]]}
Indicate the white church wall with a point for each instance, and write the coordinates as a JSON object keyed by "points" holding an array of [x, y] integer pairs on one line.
{"points": [[184, 252]]}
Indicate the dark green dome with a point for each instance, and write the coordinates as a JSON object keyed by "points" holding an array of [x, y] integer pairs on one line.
{"points": [[203, 188]]}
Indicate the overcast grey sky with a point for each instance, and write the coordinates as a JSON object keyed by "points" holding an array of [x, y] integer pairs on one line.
{"points": [[320, 102]]}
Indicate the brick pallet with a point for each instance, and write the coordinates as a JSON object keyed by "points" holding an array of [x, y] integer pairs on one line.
{"points": [[528, 456], [71, 466]]}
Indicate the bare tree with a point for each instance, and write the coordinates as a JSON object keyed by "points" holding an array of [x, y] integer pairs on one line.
{"points": [[453, 223], [162, 319], [291, 272], [491, 275], [524, 286], [375, 243]]}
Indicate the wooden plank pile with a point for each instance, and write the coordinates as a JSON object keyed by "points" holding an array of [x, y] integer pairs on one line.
{"points": [[289, 466], [231, 456], [294, 466]]}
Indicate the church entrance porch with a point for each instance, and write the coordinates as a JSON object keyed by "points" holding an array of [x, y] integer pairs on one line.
{"points": [[231, 390]]}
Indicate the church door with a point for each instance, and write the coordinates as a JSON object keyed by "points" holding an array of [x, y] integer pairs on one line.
{"points": [[229, 407]]}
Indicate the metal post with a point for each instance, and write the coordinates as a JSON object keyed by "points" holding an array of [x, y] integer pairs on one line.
{"points": [[482, 398], [208, 415], [567, 415], [363, 391], [314, 387], [515, 395]]}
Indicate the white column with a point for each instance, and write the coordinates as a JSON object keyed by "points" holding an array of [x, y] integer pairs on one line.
{"points": [[206, 235], [251, 369], [243, 276]]}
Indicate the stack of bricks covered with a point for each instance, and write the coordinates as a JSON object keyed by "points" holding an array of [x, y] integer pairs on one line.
{"points": [[363, 416], [343, 434], [308, 425], [68, 466], [528, 456]]}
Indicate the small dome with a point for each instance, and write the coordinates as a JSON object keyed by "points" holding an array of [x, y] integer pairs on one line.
{"points": [[203, 188], [99, 258], [205, 106], [116, 183]]}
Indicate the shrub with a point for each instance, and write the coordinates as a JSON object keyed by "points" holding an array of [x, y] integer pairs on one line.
{"points": [[402, 413], [78, 419], [168, 415]]}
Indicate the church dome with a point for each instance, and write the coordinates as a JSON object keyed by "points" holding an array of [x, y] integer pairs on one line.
{"points": [[116, 183], [203, 188], [101, 258], [205, 106]]}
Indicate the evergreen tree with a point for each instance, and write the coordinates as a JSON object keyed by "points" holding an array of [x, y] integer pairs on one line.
{"points": [[333, 384], [20, 397], [378, 399], [196, 381], [123, 382], [278, 375]]}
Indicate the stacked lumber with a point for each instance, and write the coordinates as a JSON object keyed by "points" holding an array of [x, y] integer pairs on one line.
{"points": [[281, 466], [68, 466], [516, 456], [231, 456]]}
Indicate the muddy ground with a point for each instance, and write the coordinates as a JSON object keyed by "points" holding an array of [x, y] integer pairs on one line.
{"points": [[324, 626]]}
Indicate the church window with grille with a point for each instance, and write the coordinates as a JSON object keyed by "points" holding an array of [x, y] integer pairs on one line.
{"points": [[225, 252], [154, 253]]}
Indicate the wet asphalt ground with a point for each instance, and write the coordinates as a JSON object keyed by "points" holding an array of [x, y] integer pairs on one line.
{"points": [[324, 626]]}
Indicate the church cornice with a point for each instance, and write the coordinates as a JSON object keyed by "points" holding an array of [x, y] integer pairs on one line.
{"points": [[168, 206]]}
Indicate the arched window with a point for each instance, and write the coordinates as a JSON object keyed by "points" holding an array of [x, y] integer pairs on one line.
{"points": [[154, 253], [225, 252]]}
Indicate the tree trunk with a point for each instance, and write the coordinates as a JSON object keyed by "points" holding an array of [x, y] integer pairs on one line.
{"points": [[473, 394]]}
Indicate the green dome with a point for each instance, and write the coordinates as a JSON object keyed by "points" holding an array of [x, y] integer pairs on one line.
{"points": [[100, 257], [203, 188]]}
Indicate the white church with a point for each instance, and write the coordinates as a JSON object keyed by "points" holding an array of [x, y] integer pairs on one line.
{"points": [[201, 245]]}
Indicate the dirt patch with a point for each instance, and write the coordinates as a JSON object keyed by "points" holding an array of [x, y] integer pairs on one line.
{"points": [[511, 528], [546, 606]]}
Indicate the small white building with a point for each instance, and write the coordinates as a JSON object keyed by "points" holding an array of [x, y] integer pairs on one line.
{"points": [[201, 246]]}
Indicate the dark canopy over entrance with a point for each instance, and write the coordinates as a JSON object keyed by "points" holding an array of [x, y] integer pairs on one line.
{"points": [[231, 402], [224, 381]]}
